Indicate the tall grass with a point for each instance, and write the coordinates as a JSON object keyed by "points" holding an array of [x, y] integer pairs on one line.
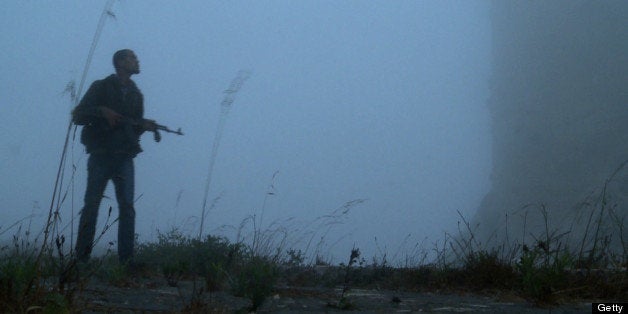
{"points": [[225, 107], [33, 272], [542, 266], [545, 271]]}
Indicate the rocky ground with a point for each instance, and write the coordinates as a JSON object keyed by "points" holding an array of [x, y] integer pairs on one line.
{"points": [[156, 296]]}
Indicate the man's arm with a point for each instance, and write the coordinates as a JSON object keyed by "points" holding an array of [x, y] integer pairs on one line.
{"points": [[87, 111], [112, 117]]}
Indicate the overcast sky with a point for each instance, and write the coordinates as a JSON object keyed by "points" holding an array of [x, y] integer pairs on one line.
{"points": [[382, 101]]}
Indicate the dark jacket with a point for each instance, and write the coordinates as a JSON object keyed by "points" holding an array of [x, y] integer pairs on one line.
{"points": [[97, 136]]}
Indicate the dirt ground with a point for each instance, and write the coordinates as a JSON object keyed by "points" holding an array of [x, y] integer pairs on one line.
{"points": [[156, 296]]}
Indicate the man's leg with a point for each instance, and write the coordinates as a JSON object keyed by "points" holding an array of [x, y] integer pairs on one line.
{"points": [[97, 177], [124, 181]]}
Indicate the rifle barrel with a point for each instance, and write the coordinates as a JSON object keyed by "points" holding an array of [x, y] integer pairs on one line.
{"points": [[166, 129]]}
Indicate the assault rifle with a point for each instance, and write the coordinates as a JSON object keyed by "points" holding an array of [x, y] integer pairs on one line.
{"points": [[159, 127], [127, 122]]}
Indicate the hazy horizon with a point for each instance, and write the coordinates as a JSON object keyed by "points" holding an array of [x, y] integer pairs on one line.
{"points": [[378, 101]]}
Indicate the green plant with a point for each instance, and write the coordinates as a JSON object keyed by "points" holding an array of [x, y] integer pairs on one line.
{"points": [[539, 280], [28, 283], [174, 271], [215, 276], [168, 255], [56, 303], [294, 259], [255, 279], [484, 270], [343, 302], [15, 274]]}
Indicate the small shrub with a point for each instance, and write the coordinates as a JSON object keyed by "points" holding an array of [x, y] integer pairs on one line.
{"points": [[215, 276], [16, 275], [56, 303], [255, 279], [541, 275], [174, 270], [486, 270], [343, 302], [294, 259]]}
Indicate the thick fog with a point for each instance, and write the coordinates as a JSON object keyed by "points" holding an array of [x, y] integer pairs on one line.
{"points": [[378, 107], [558, 120]]}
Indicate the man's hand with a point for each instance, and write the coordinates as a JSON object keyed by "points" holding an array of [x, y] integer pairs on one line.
{"points": [[149, 125], [111, 116]]}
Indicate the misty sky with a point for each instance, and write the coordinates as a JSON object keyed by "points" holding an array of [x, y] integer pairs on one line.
{"points": [[377, 100]]}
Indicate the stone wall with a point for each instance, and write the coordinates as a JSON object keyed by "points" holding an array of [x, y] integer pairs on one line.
{"points": [[559, 106]]}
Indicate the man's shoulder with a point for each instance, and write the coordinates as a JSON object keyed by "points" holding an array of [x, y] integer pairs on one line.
{"points": [[104, 81], [111, 79], [111, 84]]}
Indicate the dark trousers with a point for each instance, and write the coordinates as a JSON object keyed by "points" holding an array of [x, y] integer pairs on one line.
{"points": [[100, 169]]}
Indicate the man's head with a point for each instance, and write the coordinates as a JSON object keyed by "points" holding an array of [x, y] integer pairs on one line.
{"points": [[126, 61]]}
